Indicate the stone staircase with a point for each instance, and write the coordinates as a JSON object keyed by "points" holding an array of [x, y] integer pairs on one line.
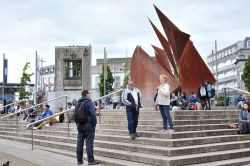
{"points": [[201, 138]]}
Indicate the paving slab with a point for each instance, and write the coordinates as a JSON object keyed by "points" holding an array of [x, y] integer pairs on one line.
{"points": [[22, 155], [14, 161]]}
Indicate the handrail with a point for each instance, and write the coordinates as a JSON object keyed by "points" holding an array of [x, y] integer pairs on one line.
{"points": [[240, 90], [63, 112], [12, 114], [14, 103], [52, 116], [225, 94]]}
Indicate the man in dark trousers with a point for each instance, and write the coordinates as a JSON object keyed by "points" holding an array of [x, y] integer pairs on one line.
{"points": [[86, 131], [131, 98]]}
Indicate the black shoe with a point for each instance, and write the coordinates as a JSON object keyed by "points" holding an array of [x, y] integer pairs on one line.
{"points": [[80, 163], [94, 163]]}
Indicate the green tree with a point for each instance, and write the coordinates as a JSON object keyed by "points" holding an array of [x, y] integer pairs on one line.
{"points": [[246, 74], [126, 74], [25, 79], [109, 81]]}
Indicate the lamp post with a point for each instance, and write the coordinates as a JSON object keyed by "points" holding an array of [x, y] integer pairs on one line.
{"points": [[40, 72], [216, 65]]}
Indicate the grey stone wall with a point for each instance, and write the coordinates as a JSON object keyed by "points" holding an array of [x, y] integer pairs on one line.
{"points": [[82, 53]]}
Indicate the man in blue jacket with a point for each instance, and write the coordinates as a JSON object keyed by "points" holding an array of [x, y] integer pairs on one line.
{"points": [[86, 131], [47, 112]]}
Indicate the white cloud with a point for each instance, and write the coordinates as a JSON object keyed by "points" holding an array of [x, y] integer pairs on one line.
{"points": [[30, 25]]}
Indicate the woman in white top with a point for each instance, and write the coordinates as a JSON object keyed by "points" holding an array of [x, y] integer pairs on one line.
{"points": [[163, 101]]}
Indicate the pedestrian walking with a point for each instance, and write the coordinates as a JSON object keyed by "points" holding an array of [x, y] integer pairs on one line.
{"points": [[131, 98]]}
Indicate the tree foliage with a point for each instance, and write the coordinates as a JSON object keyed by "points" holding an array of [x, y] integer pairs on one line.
{"points": [[109, 81], [25, 79], [246, 74]]}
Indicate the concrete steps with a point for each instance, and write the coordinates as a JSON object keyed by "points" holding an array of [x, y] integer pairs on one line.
{"points": [[150, 158], [152, 149], [231, 162], [201, 137], [176, 122], [156, 128]]}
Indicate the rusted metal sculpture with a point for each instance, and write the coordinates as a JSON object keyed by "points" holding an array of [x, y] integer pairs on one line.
{"points": [[145, 72], [178, 59]]}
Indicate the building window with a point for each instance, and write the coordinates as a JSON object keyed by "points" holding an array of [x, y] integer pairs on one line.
{"points": [[52, 69], [44, 81], [73, 69], [219, 55], [248, 44], [49, 80], [223, 54]]}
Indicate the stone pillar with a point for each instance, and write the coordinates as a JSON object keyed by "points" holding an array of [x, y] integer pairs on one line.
{"points": [[66, 60]]}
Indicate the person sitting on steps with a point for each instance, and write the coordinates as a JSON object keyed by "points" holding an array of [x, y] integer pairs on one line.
{"points": [[244, 119], [47, 112]]}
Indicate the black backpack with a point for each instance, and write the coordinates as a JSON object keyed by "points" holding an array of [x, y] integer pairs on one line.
{"points": [[81, 113]]}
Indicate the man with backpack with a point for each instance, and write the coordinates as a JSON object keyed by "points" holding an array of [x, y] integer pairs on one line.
{"points": [[85, 118], [203, 95]]}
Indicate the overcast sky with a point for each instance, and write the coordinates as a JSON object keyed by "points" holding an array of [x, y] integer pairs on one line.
{"points": [[30, 25]]}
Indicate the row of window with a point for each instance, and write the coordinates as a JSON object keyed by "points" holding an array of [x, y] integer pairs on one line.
{"points": [[227, 74], [223, 54], [222, 65], [230, 84], [49, 80], [226, 52], [46, 71]]}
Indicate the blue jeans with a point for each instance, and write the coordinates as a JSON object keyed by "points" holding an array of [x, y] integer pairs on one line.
{"points": [[165, 114], [132, 117], [85, 132]]}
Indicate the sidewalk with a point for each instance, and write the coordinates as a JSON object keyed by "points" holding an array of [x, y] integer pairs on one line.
{"points": [[15, 161], [20, 154]]}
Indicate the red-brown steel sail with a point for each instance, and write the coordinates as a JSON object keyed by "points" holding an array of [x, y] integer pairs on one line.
{"points": [[145, 72], [162, 59], [177, 39], [193, 70]]}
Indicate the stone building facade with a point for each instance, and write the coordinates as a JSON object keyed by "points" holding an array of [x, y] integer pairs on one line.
{"points": [[230, 63]]}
